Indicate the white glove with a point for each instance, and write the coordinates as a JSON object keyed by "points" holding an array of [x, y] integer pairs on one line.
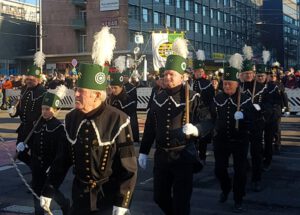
{"points": [[143, 160], [45, 203], [120, 211], [190, 129], [283, 109], [257, 107], [286, 113], [11, 110], [21, 147], [238, 115]]}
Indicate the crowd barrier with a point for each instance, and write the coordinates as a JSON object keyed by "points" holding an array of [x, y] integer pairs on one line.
{"points": [[144, 96]]}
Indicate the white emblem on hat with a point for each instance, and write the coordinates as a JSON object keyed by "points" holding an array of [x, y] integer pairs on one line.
{"points": [[100, 78], [37, 72], [183, 65], [57, 103], [121, 78]]}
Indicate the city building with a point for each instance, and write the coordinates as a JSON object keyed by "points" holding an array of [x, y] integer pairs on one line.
{"points": [[17, 34], [280, 30], [220, 27]]}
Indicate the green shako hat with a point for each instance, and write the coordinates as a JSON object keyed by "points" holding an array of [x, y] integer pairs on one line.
{"points": [[53, 99], [94, 76], [36, 68], [263, 68], [177, 60], [248, 64], [231, 73], [34, 71], [127, 72], [116, 79], [199, 62]]}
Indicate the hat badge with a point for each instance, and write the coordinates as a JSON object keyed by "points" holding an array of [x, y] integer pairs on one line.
{"points": [[100, 78]]}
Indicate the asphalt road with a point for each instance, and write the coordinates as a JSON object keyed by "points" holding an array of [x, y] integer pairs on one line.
{"points": [[281, 194]]}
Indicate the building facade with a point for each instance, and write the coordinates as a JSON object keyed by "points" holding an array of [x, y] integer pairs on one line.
{"points": [[281, 18], [17, 34], [220, 27]]}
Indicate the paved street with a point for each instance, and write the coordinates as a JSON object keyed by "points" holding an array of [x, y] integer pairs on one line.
{"points": [[281, 194]]}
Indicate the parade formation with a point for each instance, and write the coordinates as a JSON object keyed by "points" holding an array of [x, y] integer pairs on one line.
{"points": [[238, 110]]}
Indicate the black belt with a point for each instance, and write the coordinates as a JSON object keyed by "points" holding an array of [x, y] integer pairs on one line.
{"points": [[92, 183]]}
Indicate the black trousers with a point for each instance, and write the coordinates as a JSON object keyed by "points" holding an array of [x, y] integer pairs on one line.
{"points": [[269, 135], [256, 151], [173, 185], [239, 150], [277, 135], [39, 177]]}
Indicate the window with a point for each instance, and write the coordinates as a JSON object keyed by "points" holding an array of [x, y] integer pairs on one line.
{"points": [[177, 23], [212, 31], [82, 42], [187, 25], [178, 4], [168, 2], [145, 15], [168, 21], [204, 10], [197, 27], [196, 6], [211, 13], [219, 15], [187, 5], [204, 29], [156, 18], [134, 12], [225, 17]]}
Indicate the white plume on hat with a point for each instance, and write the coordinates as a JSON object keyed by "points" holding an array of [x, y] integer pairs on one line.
{"points": [[180, 47], [61, 91], [248, 52], [266, 56], [120, 63], [103, 47], [236, 61], [39, 59], [200, 55], [276, 64], [130, 62]]}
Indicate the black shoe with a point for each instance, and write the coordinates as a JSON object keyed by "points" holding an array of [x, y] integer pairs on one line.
{"points": [[238, 208], [266, 167], [66, 207], [256, 186], [223, 197]]}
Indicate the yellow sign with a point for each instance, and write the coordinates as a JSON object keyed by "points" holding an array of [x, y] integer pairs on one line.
{"points": [[218, 56]]}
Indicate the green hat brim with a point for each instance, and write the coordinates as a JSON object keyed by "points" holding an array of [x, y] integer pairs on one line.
{"points": [[116, 79], [198, 64], [34, 71], [231, 74], [51, 100]]}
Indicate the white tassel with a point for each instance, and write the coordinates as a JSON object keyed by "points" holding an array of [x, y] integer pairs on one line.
{"points": [[61, 91], [266, 56], [120, 63], [180, 47], [39, 59], [103, 47], [236, 61], [248, 52], [200, 55]]}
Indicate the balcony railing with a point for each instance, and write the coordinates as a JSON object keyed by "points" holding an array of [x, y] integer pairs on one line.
{"points": [[78, 23], [79, 3]]}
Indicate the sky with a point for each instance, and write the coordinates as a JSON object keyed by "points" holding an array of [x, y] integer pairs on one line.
{"points": [[28, 1]]}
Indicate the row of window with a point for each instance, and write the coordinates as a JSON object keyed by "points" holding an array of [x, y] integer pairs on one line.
{"points": [[159, 18], [289, 30], [290, 20], [188, 4]]}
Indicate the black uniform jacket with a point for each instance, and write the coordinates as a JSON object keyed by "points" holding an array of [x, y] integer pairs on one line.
{"points": [[166, 117], [100, 143], [127, 104]]}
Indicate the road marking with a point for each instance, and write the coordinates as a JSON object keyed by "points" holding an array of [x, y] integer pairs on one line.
{"points": [[6, 167], [25, 209], [146, 181]]}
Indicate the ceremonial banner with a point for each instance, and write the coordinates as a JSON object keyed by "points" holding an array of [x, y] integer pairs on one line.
{"points": [[162, 47]]}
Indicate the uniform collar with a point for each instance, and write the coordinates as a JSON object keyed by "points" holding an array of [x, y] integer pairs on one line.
{"points": [[93, 113], [174, 90]]}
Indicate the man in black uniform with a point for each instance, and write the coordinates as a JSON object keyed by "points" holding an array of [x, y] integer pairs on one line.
{"points": [[130, 88], [176, 157], [100, 145], [275, 79], [204, 87], [159, 86], [46, 141], [28, 108], [121, 100], [269, 100], [232, 112]]}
